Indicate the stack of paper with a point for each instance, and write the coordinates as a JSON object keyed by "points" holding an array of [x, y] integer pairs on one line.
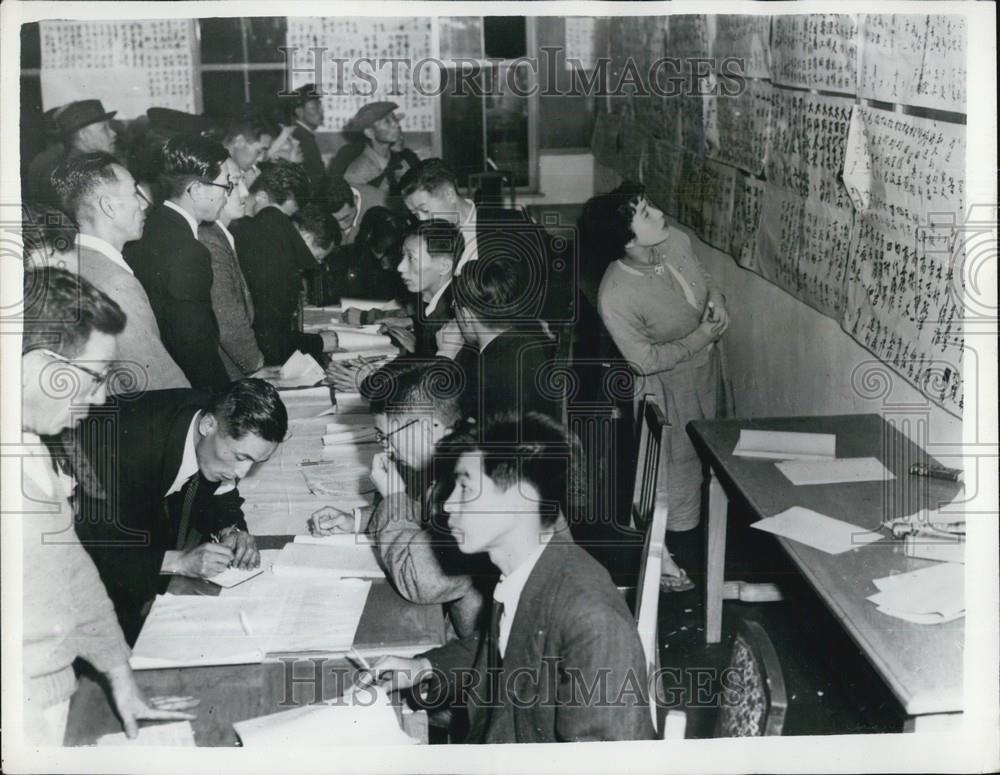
{"points": [[363, 717], [849, 469], [300, 370], [817, 530], [373, 353], [311, 560], [786, 445], [932, 595], [176, 734], [361, 340]]}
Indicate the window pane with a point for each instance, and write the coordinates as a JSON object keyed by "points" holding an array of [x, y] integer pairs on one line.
{"points": [[505, 36], [222, 93], [264, 35], [507, 122], [264, 87], [221, 41], [461, 36], [461, 129], [31, 46]]}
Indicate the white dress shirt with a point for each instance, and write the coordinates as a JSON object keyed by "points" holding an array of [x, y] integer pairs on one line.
{"points": [[189, 463], [509, 588], [468, 230]]}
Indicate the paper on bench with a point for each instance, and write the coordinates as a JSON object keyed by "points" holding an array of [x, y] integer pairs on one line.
{"points": [[849, 469], [298, 559], [786, 445], [176, 734], [365, 717], [817, 530]]}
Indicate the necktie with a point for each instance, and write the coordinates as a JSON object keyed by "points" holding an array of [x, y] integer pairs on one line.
{"points": [[186, 506], [493, 668]]}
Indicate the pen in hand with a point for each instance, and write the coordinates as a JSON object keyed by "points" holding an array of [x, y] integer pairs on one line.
{"points": [[366, 674]]}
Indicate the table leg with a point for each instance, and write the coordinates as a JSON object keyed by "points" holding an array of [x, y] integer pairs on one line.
{"points": [[715, 558]]}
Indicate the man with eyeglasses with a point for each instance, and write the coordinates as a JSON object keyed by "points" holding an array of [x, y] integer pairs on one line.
{"points": [[415, 403], [110, 210], [174, 267], [69, 344]]}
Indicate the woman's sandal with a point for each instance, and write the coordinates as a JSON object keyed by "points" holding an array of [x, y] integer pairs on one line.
{"points": [[680, 583]]}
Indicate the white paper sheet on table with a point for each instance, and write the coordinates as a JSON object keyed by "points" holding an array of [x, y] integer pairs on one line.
{"points": [[300, 370], [189, 630], [817, 530], [367, 304], [849, 469], [311, 560], [367, 718], [232, 577], [786, 445], [176, 734], [345, 540], [931, 595]]}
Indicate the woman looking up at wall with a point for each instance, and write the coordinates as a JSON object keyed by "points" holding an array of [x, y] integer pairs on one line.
{"points": [[666, 316]]}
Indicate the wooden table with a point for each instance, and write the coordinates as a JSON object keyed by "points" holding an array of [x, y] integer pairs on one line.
{"points": [[922, 664]]}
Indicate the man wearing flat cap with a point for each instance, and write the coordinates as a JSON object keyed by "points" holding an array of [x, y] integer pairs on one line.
{"points": [[383, 161], [306, 110], [85, 127]]}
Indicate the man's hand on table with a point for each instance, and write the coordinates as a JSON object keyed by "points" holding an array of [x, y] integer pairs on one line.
{"points": [[243, 547], [330, 520], [201, 562], [397, 673], [133, 707]]}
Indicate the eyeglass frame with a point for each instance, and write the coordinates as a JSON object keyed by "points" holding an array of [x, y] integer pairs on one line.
{"points": [[100, 380], [227, 187], [383, 438]]}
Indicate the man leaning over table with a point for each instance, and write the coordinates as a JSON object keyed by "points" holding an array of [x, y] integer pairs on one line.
{"points": [[169, 463], [69, 345], [415, 402]]}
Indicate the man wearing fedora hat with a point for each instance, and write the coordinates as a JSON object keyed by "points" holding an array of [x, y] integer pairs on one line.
{"points": [[85, 127], [306, 111], [384, 160]]}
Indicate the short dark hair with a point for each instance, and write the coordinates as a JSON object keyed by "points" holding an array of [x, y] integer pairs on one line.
{"points": [[250, 126], [75, 178], [187, 158], [442, 238], [532, 448], [62, 310], [317, 220], [428, 176], [251, 406], [380, 231], [605, 225], [335, 192], [408, 384], [497, 288], [46, 228], [282, 180]]}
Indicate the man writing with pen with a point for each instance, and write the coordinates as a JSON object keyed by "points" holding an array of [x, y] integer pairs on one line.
{"points": [[165, 502]]}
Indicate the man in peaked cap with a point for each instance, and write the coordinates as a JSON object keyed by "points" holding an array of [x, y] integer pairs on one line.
{"points": [[384, 160], [85, 127], [305, 109]]}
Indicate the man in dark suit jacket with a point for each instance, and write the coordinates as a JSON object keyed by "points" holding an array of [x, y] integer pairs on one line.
{"points": [[510, 357], [168, 463], [274, 255], [306, 110], [174, 267], [560, 660]]}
